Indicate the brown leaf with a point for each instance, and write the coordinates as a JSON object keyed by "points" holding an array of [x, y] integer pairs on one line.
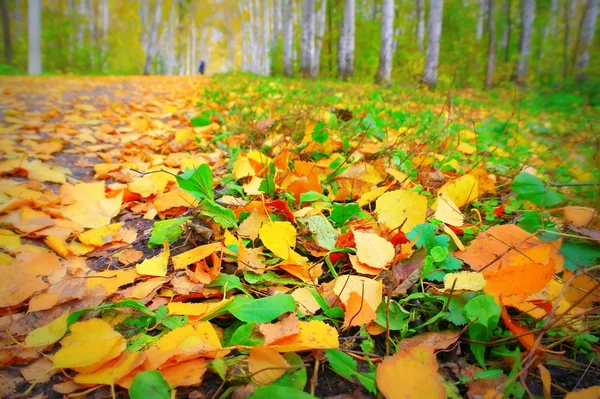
{"points": [[407, 273]]}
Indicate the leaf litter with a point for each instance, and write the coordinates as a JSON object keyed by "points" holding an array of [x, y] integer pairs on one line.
{"points": [[411, 266]]}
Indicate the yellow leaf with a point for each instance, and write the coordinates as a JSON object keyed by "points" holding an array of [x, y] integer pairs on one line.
{"points": [[16, 286], [111, 280], [156, 266], [372, 249], [279, 238], [370, 290], [546, 380], [470, 281], [401, 207], [314, 334], [448, 212], [358, 312], [93, 214], [466, 148], [101, 235], [38, 172], [306, 302], [410, 374], [143, 186], [58, 245], [112, 371], [185, 374], [90, 342], [250, 226], [203, 309], [143, 289], [371, 196], [9, 240], [265, 365], [48, 334], [181, 261], [588, 393], [173, 199], [461, 191], [578, 216]]}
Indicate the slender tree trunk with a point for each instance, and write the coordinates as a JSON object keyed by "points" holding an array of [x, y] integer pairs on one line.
{"points": [[481, 14], [308, 37], [491, 62], [569, 15], [80, 23], [18, 19], [266, 69], [144, 12], [320, 28], [397, 30], [434, 33], [188, 53], [384, 72], [180, 36], [346, 46], [330, 37], [194, 63], [527, 18], [586, 36], [505, 43], [152, 38], [547, 32], [34, 33], [105, 26], [420, 23], [171, 40], [92, 31], [245, 38], [6, 31], [258, 38], [288, 32]]}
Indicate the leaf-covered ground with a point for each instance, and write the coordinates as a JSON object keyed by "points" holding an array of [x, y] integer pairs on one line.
{"points": [[282, 238]]}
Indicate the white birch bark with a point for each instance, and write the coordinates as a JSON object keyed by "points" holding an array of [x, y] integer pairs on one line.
{"points": [[320, 28], [307, 52], [277, 20], [91, 30], [180, 38], [491, 61], [258, 51], [506, 30], [150, 50], [34, 30], [527, 18], [194, 53], [80, 23], [143, 13], [420, 23], [288, 32], [586, 37], [346, 44], [266, 31], [245, 37], [481, 19], [384, 72], [569, 15], [105, 26], [188, 54], [434, 33], [171, 60]]}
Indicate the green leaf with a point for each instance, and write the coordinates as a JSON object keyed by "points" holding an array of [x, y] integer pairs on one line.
{"points": [[197, 182], [127, 303], [438, 253], [220, 367], [425, 235], [484, 313], [346, 366], [312, 196], [223, 216], [161, 312], [228, 282], [174, 321], [295, 378], [261, 310], [322, 231], [245, 335], [141, 342], [269, 277], [149, 385], [343, 212], [531, 188], [276, 391], [579, 255], [166, 230], [320, 134], [200, 121], [397, 317]]}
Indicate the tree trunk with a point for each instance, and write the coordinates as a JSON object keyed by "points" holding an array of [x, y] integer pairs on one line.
{"points": [[420, 23], [143, 12], [346, 46], [258, 37], [34, 33], [320, 28], [170, 69], [569, 14], [307, 52], [434, 33], [18, 17], [384, 72], [586, 36], [180, 36], [80, 25], [491, 62], [266, 61], [547, 32], [288, 33], [91, 30], [152, 38], [481, 14], [105, 26], [505, 43], [527, 18], [6, 31]]}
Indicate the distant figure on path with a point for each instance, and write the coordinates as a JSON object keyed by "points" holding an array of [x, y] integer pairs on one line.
{"points": [[201, 67]]}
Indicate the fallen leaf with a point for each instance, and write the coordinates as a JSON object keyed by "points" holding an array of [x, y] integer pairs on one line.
{"points": [[313, 334], [373, 250], [156, 266], [401, 208], [469, 281], [279, 238], [266, 365]]}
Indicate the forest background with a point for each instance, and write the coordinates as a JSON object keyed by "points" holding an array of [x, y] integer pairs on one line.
{"points": [[545, 43]]}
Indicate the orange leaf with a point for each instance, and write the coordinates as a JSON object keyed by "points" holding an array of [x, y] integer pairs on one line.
{"points": [[265, 365]]}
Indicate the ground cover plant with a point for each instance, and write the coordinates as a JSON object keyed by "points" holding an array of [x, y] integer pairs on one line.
{"points": [[246, 237]]}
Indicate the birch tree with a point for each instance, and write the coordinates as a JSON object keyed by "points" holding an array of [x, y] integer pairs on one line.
{"points": [[288, 32], [34, 30], [420, 23], [320, 30], [80, 25], [434, 33], [91, 29], [6, 31], [527, 18], [548, 31], [308, 37], [481, 20], [266, 60], [586, 36], [105, 26], [346, 44], [491, 61], [170, 67], [151, 49], [384, 72], [505, 42]]}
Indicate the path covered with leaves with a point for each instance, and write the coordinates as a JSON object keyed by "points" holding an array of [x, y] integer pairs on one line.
{"points": [[281, 238]]}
